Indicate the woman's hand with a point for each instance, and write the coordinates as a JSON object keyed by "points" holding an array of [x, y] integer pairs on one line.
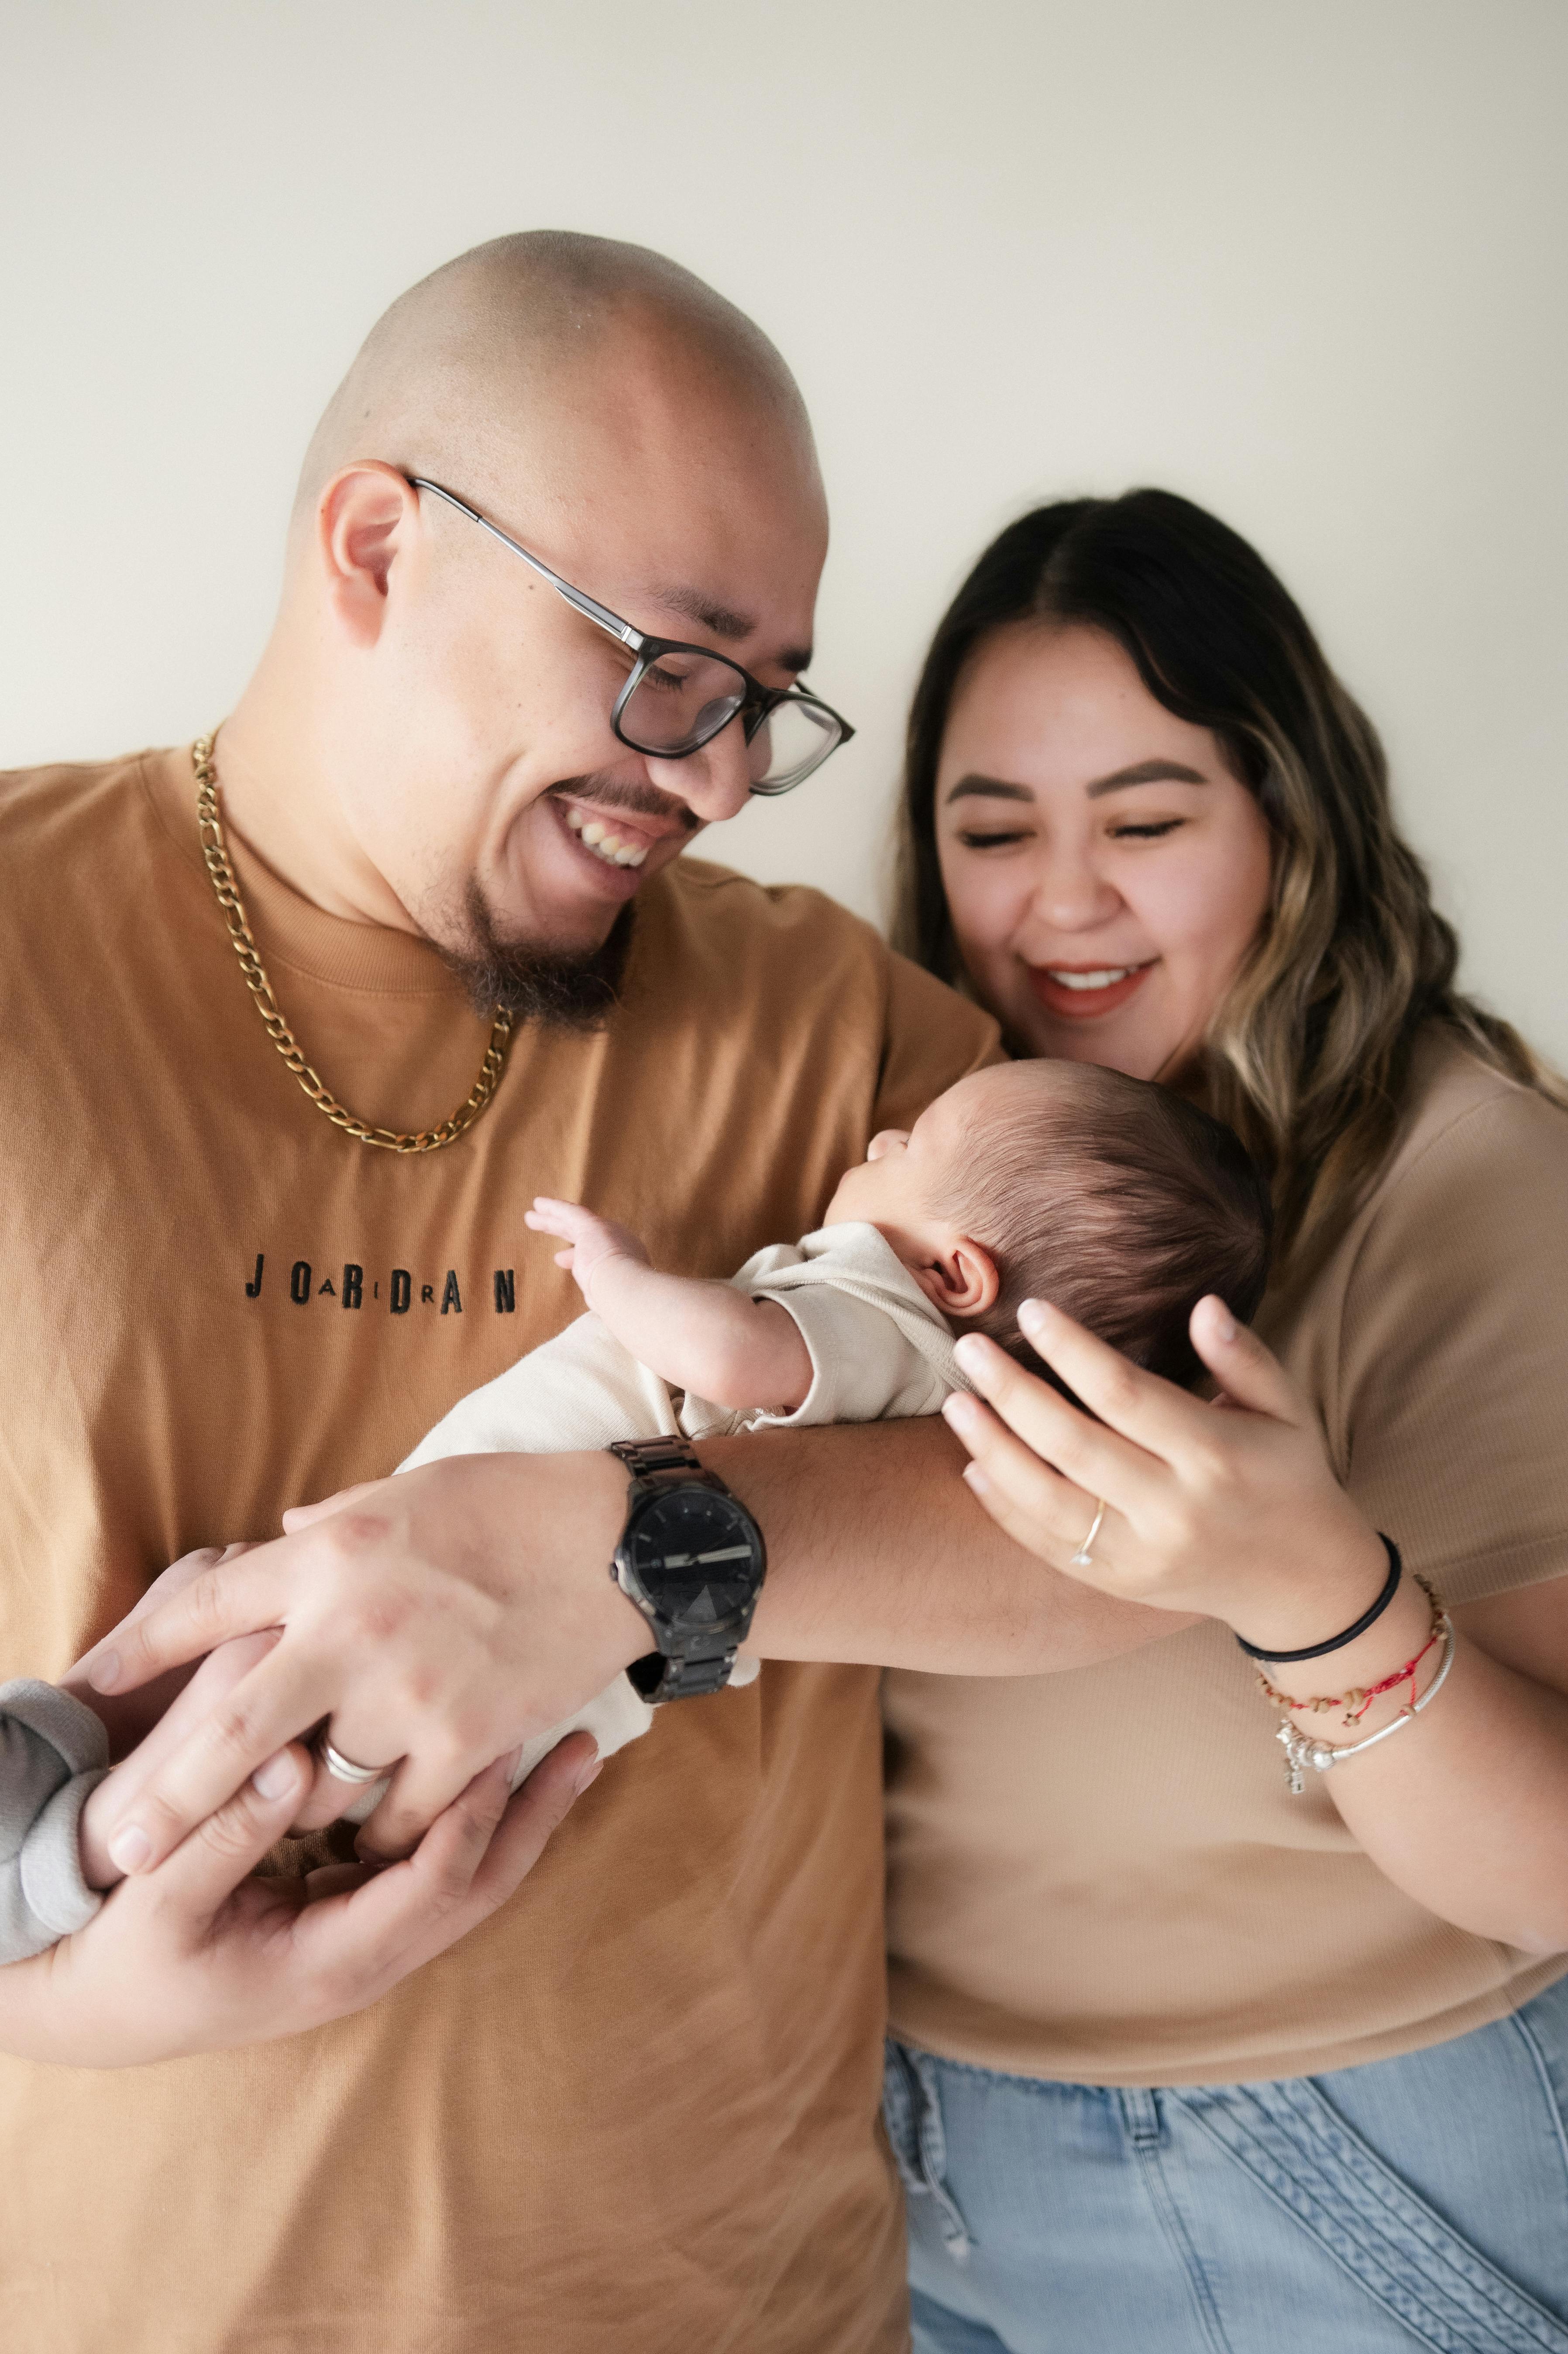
{"points": [[1229, 1509], [1234, 1512], [197, 1956], [436, 1619]]}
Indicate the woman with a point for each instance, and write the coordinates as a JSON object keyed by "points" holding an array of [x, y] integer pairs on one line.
{"points": [[1186, 2056]]}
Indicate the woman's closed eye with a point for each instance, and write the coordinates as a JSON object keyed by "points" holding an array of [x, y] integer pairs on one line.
{"points": [[1155, 830], [995, 840]]}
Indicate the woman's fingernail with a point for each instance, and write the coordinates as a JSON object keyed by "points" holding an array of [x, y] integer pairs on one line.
{"points": [[1031, 1314], [959, 1410], [1224, 1322], [276, 1778], [970, 1352], [130, 1848], [591, 1773], [977, 1478], [104, 1672]]}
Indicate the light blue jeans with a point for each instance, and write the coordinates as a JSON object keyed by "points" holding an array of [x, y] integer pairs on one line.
{"points": [[1419, 2201]]}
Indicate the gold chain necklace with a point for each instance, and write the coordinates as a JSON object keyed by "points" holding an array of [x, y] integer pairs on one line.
{"points": [[215, 850]]}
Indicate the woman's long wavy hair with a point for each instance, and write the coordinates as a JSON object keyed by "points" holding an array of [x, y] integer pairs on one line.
{"points": [[1308, 1056]]}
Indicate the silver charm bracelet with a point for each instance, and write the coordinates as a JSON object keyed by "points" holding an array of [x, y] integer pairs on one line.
{"points": [[1302, 1749]]}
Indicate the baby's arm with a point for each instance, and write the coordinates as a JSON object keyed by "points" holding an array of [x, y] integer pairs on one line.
{"points": [[703, 1337], [54, 1753]]}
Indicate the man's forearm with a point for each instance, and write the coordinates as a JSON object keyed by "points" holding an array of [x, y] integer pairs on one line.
{"points": [[877, 1552]]}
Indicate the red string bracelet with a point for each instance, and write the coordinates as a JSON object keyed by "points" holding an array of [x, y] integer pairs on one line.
{"points": [[1359, 1698]]}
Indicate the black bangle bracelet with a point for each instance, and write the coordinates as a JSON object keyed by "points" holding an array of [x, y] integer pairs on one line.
{"points": [[1368, 1618]]}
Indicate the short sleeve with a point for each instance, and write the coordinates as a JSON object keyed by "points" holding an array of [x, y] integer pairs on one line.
{"points": [[1451, 1418], [863, 1366], [934, 1038]]}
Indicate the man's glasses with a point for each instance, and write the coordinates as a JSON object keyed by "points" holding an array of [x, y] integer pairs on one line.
{"points": [[678, 698]]}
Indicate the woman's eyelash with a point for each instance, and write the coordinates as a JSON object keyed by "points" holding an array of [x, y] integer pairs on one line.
{"points": [[1151, 832], [990, 840]]}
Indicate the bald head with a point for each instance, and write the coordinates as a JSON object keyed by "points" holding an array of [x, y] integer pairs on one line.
{"points": [[497, 357], [433, 739]]}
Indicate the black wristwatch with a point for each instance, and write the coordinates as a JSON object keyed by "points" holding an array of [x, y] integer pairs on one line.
{"points": [[693, 1560]]}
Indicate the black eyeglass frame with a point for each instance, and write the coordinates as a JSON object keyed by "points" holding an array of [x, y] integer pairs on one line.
{"points": [[756, 708]]}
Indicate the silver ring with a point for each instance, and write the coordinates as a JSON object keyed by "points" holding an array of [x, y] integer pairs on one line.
{"points": [[342, 1769], [1083, 1558]]}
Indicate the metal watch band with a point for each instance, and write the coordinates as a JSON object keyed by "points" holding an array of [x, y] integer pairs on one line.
{"points": [[658, 1679], [646, 1458], [674, 1462]]}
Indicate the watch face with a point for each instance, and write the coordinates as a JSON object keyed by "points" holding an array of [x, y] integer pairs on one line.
{"points": [[697, 1557]]}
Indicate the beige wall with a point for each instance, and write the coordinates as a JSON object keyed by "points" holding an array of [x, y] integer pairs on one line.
{"points": [[1302, 260]]}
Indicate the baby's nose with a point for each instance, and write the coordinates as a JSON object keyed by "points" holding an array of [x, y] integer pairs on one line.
{"points": [[885, 1140]]}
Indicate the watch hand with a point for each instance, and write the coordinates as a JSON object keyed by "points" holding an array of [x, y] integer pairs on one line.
{"points": [[693, 1560]]}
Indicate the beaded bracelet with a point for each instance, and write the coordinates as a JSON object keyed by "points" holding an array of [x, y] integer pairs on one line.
{"points": [[1302, 1749], [1359, 1698]]}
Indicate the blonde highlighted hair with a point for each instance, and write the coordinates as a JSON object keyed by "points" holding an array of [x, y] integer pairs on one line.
{"points": [[1309, 1057]]}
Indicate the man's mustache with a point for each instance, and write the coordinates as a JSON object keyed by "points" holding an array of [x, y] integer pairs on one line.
{"points": [[637, 800]]}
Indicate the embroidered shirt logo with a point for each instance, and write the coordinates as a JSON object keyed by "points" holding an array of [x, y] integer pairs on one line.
{"points": [[398, 1293]]}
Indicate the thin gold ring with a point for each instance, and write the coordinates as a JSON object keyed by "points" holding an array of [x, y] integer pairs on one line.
{"points": [[1083, 1558]]}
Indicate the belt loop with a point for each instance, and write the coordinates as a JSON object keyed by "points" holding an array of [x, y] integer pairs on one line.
{"points": [[912, 2108], [1141, 2115]]}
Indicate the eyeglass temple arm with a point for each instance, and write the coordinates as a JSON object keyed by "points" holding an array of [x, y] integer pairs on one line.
{"points": [[618, 628]]}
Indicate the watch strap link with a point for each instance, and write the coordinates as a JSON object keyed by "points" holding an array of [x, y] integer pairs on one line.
{"points": [[658, 1678], [646, 1458], [655, 1463]]}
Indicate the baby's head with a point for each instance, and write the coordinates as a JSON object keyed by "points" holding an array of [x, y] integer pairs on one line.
{"points": [[1116, 1200]]}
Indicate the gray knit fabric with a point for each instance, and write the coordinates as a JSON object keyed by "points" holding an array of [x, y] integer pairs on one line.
{"points": [[53, 1751]]}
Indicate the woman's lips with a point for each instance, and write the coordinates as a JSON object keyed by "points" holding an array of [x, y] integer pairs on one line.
{"points": [[1082, 992]]}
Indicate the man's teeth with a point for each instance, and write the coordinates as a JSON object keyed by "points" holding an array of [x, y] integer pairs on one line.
{"points": [[1112, 972], [603, 844]]}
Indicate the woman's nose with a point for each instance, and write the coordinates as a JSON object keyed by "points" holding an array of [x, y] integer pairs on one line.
{"points": [[884, 1141], [1071, 895]]}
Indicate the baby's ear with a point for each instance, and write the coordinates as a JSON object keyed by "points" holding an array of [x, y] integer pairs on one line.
{"points": [[961, 1281]]}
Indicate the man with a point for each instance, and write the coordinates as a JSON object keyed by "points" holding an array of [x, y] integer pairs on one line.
{"points": [[249, 1260]]}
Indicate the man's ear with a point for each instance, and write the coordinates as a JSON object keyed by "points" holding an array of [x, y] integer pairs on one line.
{"points": [[363, 517], [962, 1280]]}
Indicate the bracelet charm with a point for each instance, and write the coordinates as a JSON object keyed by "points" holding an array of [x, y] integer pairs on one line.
{"points": [[1302, 1751]]}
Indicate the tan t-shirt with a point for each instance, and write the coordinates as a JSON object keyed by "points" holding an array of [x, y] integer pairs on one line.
{"points": [[1100, 1877], [637, 2107]]}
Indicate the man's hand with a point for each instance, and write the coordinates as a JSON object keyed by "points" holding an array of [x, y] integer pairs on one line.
{"points": [[197, 1956], [591, 1241], [438, 1619], [129, 1718]]}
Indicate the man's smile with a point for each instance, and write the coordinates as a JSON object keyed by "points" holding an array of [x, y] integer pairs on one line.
{"points": [[615, 843]]}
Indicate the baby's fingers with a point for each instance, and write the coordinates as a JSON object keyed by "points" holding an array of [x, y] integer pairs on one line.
{"points": [[551, 1217]]}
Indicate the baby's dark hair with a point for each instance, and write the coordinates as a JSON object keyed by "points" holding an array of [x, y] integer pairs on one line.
{"points": [[1116, 1200]]}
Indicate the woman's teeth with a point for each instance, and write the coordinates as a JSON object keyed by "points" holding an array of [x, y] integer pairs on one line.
{"points": [[603, 844], [1103, 979]]}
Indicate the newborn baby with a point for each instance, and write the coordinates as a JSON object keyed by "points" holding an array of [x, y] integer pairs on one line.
{"points": [[1115, 1199]]}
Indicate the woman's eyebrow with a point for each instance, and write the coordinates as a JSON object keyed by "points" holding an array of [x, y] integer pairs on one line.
{"points": [[987, 788], [1145, 772]]}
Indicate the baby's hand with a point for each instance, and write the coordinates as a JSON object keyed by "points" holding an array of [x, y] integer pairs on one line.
{"points": [[593, 1240]]}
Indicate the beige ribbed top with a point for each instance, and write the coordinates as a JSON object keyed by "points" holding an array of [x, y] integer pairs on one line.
{"points": [[1100, 1877]]}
